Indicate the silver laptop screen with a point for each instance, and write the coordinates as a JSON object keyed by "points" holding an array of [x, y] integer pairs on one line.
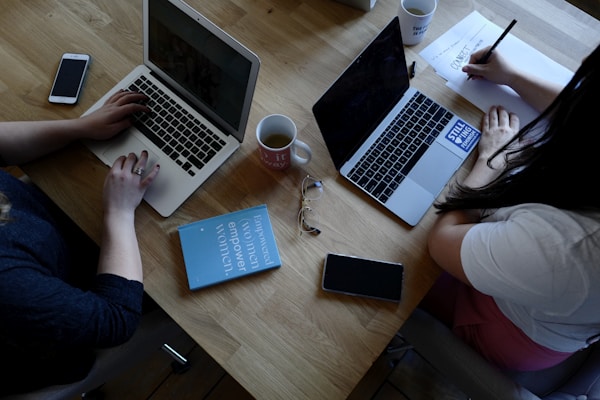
{"points": [[191, 53]]}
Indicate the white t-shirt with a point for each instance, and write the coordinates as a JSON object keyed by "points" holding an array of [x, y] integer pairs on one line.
{"points": [[542, 267]]}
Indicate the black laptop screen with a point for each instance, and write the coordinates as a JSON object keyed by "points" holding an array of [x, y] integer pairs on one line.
{"points": [[198, 61], [363, 95]]}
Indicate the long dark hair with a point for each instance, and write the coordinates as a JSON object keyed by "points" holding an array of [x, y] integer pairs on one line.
{"points": [[560, 161]]}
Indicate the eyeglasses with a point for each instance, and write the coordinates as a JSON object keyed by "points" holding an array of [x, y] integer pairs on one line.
{"points": [[312, 189]]}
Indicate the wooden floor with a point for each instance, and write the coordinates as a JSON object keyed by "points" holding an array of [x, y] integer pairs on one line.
{"points": [[396, 375]]}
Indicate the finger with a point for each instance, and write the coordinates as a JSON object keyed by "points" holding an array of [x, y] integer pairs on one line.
{"points": [[127, 97], [485, 125], [119, 162], [503, 118], [478, 54], [140, 166], [131, 108], [514, 121], [123, 97], [493, 116], [116, 96], [120, 115], [150, 176], [473, 69], [131, 97], [143, 158], [129, 162]]}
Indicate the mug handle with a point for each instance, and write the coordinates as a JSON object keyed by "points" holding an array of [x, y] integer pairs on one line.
{"points": [[304, 147]]}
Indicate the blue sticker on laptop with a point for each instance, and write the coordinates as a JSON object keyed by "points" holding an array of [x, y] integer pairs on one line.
{"points": [[463, 136]]}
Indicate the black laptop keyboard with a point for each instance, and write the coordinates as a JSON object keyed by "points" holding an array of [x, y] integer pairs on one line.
{"points": [[180, 135], [400, 146]]}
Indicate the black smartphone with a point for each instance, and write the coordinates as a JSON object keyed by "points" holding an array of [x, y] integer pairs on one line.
{"points": [[69, 78], [363, 277]]}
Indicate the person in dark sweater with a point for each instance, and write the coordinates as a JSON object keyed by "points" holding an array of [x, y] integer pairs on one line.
{"points": [[60, 295]]}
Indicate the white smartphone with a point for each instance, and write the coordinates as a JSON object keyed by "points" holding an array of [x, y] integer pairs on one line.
{"points": [[363, 277], [69, 78]]}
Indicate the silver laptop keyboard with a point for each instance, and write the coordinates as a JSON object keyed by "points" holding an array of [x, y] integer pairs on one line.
{"points": [[400, 146], [180, 135]]}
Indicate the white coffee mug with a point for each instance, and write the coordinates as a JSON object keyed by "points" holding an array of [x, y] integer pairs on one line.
{"points": [[278, 144], [415, 17]]}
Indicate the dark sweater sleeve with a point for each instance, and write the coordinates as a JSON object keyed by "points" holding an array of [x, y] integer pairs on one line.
{"points": [[38, 301], [54, 309], [44, 310]]}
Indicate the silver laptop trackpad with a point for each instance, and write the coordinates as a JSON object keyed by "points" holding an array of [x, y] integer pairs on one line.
{"points": [[127, 143], [435, 168], [410, 201]]}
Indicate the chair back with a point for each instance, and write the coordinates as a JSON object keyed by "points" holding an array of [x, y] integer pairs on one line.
{"points": [[577, 378]]}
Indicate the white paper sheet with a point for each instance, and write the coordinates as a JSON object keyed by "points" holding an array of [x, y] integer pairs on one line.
{"points": [[451, 51]]}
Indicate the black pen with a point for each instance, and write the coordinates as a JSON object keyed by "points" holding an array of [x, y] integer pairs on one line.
{"points": [[413, 69], [487, 55]]}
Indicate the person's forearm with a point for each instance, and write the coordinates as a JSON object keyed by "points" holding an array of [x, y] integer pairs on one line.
{"points": [[24, 141], [539, 93], [481, 174], [119, 251]]}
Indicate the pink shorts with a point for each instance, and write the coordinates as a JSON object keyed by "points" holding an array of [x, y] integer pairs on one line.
{"points": [[476, 319]]}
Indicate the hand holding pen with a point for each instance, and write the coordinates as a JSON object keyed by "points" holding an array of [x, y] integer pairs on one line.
{"points": [[483, 59]]}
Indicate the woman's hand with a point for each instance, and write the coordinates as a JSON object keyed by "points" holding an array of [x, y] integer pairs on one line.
{"points": [[24, 141], [536, 91], [126, 184], [114, 116], [498, 127], [124, 188], [497, 69]]}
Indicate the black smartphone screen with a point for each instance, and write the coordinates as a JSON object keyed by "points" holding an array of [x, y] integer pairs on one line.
{"points": [[68, 80], [363, 277]]}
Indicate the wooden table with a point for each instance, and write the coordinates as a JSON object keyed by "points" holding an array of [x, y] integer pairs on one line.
{"points": [[278, 334]]}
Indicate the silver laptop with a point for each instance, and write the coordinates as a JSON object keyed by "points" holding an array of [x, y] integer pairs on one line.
{"points": [[392, 141], [200, 82]]}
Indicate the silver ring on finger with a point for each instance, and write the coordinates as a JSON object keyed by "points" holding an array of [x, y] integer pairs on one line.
{"points": [[138, 171]]}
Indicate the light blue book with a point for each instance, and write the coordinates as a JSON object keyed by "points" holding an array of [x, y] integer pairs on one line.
{"points": [[228, 246]]}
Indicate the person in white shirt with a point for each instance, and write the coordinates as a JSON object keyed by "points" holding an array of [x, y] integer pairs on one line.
{"points": [[519, 237]]}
